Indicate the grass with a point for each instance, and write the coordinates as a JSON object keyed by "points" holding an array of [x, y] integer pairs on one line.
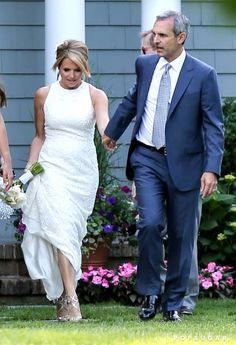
{"points": [[112, 324]]}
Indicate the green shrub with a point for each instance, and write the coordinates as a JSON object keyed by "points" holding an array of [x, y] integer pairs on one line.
{"points": [[217, 236], [229, 160], [104, 162]]}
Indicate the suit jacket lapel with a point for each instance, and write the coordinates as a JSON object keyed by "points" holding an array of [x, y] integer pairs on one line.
{"points": [[146, 74], [185, 76]]}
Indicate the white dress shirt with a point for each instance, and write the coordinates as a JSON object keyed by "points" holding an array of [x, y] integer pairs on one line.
{"points": [[145, 131]]}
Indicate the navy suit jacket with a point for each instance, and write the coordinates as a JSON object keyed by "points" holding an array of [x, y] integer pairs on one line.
{"points": [[194, 127]]}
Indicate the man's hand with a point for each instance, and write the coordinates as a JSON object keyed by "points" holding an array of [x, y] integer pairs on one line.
{"points": [[208, 184], [108, 143]]}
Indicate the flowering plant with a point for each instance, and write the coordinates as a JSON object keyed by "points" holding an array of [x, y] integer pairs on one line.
{"points": [[95, 284], [99, 284], [124, 289], [216, 281], [19, 225], [114, 216]]}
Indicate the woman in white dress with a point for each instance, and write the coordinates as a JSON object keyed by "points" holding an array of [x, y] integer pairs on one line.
{"points": [[60, 199]]}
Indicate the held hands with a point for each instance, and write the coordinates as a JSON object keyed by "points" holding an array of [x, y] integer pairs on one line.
{"points": [[208, 184], [108, 143]]}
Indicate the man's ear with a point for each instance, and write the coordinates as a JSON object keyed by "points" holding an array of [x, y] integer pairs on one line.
{"points": [[181, 37]]}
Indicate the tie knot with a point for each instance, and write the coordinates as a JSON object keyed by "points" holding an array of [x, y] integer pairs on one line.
{"points": [[167, 67]]}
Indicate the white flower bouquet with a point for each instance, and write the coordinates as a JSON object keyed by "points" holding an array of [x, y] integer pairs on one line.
{"points": [[15, 197]]}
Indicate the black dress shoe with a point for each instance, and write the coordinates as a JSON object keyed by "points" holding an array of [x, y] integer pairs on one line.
{"points": [[149, 307], [172, 315]]}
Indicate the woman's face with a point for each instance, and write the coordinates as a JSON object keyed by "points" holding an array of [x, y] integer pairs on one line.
{"points": [[70, 74]]}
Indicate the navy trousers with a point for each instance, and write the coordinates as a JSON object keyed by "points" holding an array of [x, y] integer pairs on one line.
{"points": [[158, 198]]}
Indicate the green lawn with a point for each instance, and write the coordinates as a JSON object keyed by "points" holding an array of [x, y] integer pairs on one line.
{"points": [[214, 322]]}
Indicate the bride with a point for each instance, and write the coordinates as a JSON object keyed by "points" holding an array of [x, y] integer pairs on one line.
{"points": [[60, 200]]}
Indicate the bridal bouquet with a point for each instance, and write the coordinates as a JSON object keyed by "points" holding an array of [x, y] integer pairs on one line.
{"points": [[15, 197]]}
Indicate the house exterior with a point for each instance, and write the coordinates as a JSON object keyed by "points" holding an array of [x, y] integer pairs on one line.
{"points": [[112, 34]]}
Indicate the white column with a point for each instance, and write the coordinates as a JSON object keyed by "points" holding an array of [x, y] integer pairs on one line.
{"points": [[151, 8], [63, 20]]}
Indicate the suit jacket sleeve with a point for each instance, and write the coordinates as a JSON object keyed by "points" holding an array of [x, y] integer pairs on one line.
{"points": [[212, 124], [124, 114]]}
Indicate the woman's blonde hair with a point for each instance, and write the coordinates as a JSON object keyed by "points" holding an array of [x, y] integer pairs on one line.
{"points": [[76, 51], [3, 99]]}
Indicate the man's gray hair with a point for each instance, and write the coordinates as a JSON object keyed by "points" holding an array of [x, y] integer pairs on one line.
{"points": [[181, 22]]}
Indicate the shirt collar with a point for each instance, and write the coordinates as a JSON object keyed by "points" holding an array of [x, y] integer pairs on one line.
{"points": [[175, 64]]}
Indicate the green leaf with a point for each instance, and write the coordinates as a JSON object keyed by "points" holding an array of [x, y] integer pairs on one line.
{"points": [[204, 241], [226, 199], [228, 249], [214, 246], [209, 224], [229, 232], [133, 297]]}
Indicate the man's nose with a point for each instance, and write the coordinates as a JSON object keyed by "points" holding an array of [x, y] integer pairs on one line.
{"points": [[156, 39]]}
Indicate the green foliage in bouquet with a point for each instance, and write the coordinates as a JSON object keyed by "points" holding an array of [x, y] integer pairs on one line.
{"points": [[217, 238]]}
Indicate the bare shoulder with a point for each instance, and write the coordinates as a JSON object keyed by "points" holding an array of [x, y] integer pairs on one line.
{"points": [[41, 94], [97, 94]]}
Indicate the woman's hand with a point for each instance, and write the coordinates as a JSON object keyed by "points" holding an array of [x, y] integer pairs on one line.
{"points": [[7, 175]]}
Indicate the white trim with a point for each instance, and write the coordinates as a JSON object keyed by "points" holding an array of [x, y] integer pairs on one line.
{"points": [[63, 20], [151, 8]]}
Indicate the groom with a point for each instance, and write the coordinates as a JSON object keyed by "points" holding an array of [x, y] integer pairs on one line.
{"points": [[175, 154]]}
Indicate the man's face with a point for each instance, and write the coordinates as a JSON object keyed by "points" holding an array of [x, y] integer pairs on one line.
{"points": [[167, 44]]}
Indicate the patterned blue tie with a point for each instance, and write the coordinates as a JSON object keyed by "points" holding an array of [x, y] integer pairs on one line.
{"points": [[158, 133]]}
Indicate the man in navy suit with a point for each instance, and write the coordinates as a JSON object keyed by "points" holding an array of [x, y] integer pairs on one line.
{"points": [[170, 178]]}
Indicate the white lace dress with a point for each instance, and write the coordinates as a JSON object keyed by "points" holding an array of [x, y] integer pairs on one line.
{"points": [[60, 200]]}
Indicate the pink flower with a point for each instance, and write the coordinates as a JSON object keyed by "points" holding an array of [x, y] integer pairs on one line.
{"points": [[227, 268], [105, 283], [126, 273], [127, 270], [85, 277], [93, 273], [206, 284], [101, 271], [97, 280], [211, 266], [115, 280], [110, 274], [125, 189], [230, 281], [90, 268], [216, 275]]}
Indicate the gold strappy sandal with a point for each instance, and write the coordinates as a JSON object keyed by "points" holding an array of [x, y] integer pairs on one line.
{"points": [[62, 309], [74, 308], [68, 309]]}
